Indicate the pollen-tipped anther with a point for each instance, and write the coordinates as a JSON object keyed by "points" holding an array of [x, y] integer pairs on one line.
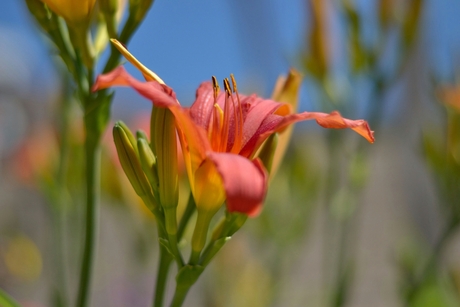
{"points": [[227, 87], [216, 88], [235, 88]]}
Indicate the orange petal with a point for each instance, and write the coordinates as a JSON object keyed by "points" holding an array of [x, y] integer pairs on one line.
{"points": [[245, 182], [332, 120]]}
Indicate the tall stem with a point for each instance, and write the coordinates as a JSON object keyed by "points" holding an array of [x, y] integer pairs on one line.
{"points": [[165, 258], [433, 261], [179, 295], [189, 210], [93, 157], [162, 276]]}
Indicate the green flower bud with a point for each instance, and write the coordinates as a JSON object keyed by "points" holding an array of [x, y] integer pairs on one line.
{"points": [[268, 150], [148, 163], [129, 160], [164, 147], [109, 9]]}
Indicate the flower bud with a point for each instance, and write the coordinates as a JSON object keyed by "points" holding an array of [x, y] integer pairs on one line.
{"points": [[73, 11], [411, 22], [129, 160], [267, 153], [38, 10], [148, 163], [318, 61], [138, 9], [109, 9], [287, 90], [164, 147]]}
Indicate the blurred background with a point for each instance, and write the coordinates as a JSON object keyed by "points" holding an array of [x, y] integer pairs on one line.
{"points": [[346, 223]]}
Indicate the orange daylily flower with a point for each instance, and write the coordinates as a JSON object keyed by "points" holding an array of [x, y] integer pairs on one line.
{"points": [[220, 134]]}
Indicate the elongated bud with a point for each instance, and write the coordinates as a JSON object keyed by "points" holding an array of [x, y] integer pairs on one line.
{"points": [[267, 153], [73, 11], [82, 43], [318, 61], [132, 140], [411, 22], [164, 147], [129, 160], [139, 8], [385, 12], [287, 90], [38, 10], [109, 9], [148, 163], [141, 135]]}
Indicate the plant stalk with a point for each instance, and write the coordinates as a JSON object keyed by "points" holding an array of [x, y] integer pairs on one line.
{"points": [[93, 157]]}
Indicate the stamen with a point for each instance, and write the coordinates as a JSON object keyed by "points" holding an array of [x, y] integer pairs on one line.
{"points": [[226, 122], [216, 88], [238, 113], [235, 89], [216, 127], [228, 90]]}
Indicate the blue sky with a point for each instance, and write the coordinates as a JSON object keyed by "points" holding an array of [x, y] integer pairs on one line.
{"points": [[188, 41]]}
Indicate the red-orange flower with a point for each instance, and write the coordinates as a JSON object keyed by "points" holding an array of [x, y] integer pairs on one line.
{"points": [[220, 134]]}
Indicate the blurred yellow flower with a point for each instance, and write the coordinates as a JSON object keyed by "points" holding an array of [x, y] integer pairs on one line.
{"points": [[23, 259], [73, 11]]}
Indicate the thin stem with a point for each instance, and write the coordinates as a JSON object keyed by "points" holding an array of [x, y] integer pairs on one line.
{"points": [[189, 210], [199, 235], [432, 261], [341, 286], [165, 258], [179, 295], [60, 206], [124, 37], [93, 155], [162, 274]]}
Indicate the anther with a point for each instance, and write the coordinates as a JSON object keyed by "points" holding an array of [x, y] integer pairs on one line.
{"points": [[228, 90], [235, 89], [215, 86]]}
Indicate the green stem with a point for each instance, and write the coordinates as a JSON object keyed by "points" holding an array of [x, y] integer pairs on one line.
{"points": [[59, 208], [189, 210], [341, 284], [179, 295], [93, 155], [433, 261], [165, 257], [199, 235], [171, 230], [115, 55], [162, 274], [6, 300]]}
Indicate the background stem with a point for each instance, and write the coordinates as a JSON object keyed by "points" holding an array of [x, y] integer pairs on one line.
{"points": [[179, 295], [93, 155], [162, 276]]}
